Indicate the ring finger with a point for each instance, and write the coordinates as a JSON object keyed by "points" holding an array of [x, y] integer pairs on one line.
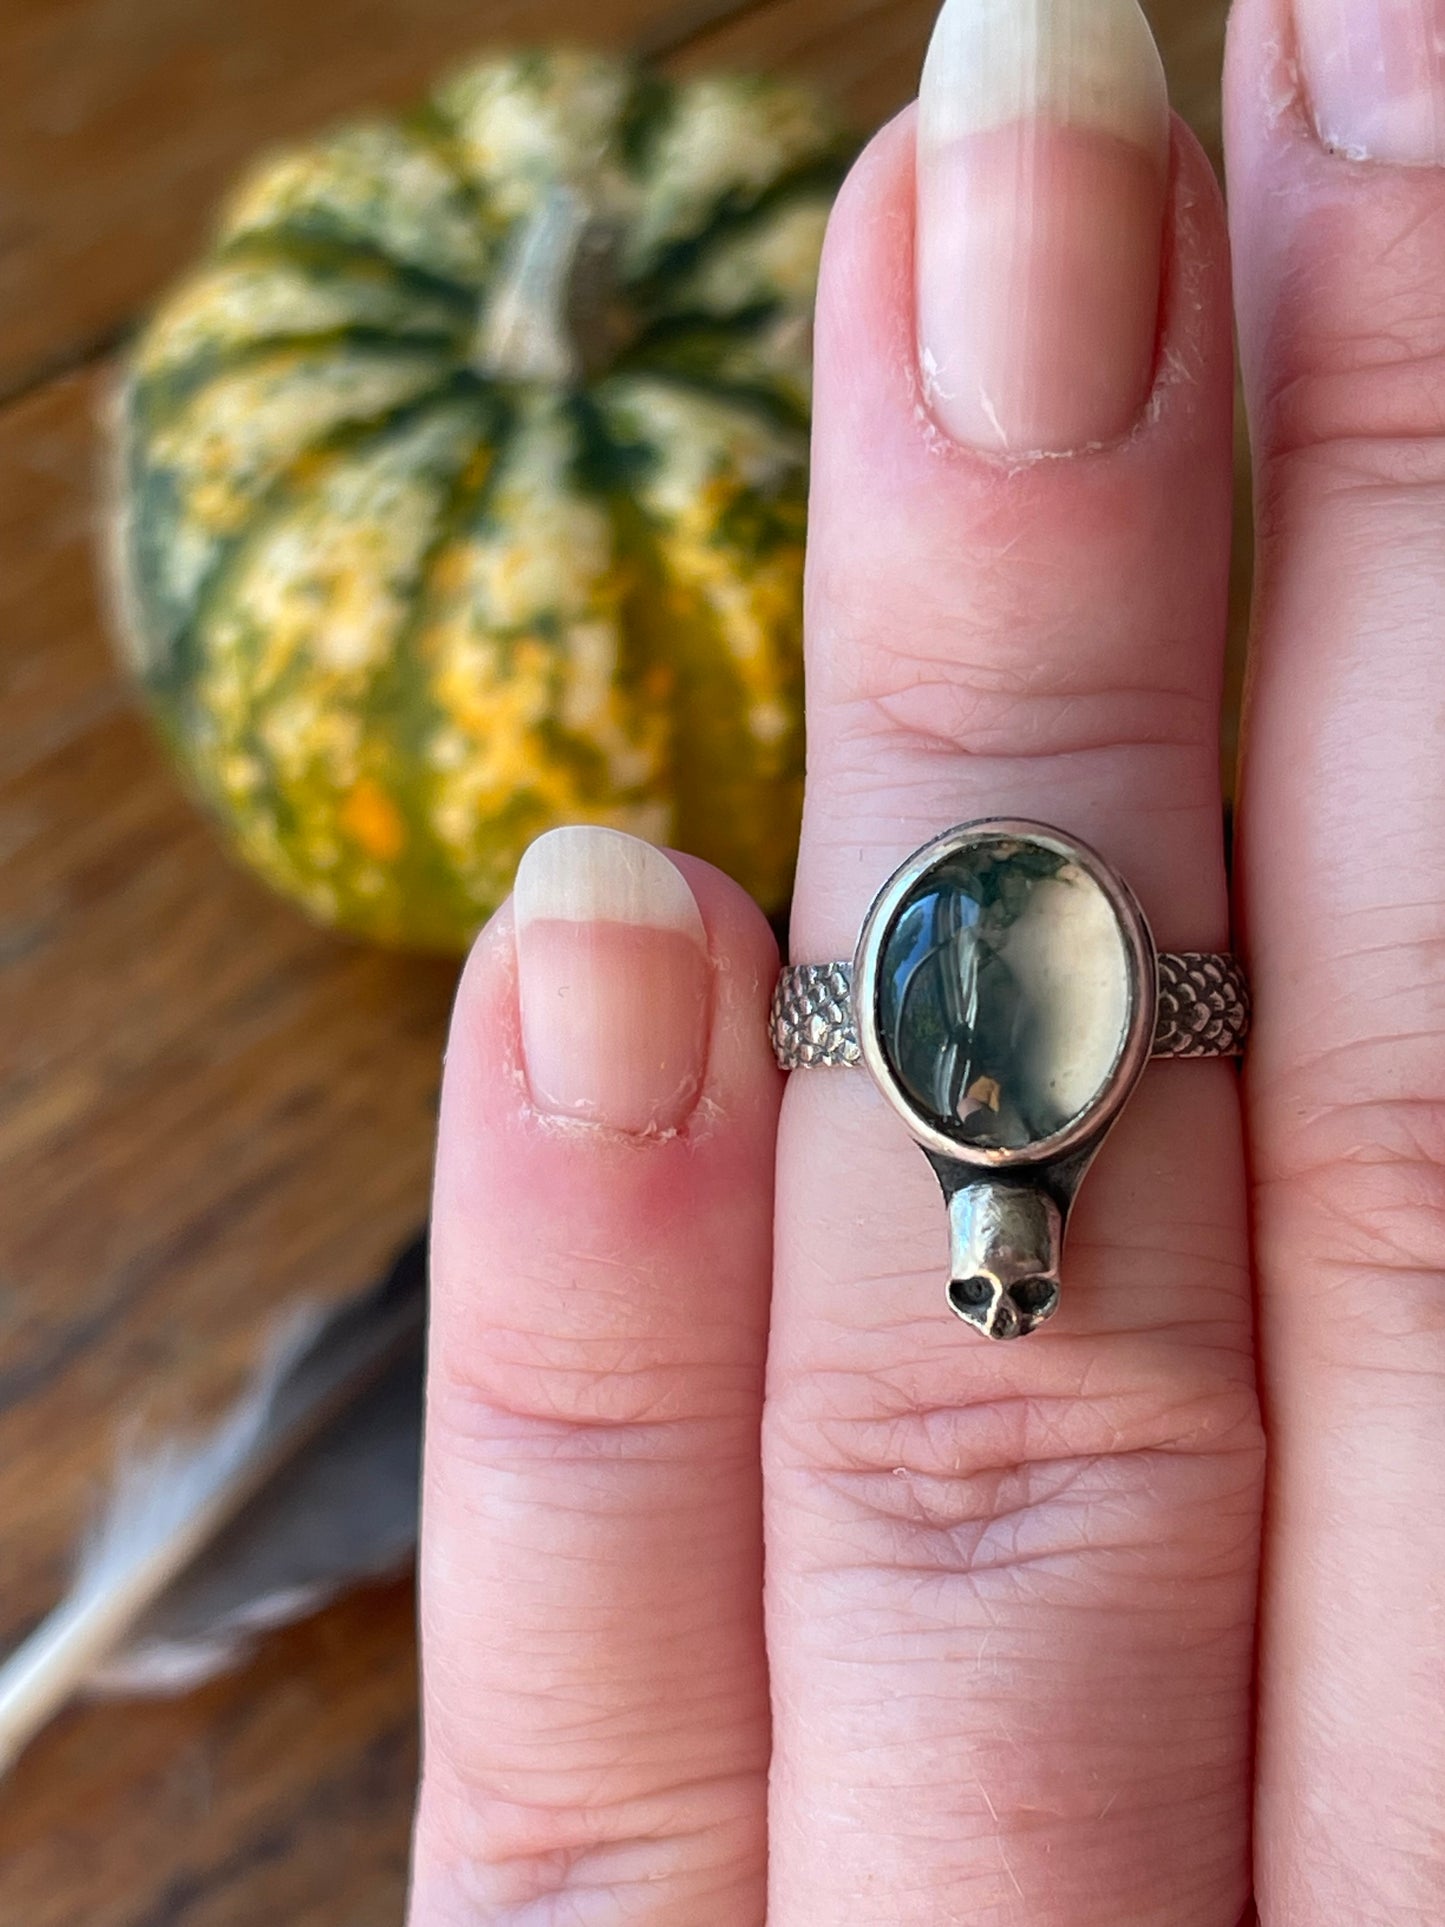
{"points": [[1010, 1592]]}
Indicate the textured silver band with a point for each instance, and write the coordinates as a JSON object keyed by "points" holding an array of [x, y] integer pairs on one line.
{"points": [[1203, 1011]]}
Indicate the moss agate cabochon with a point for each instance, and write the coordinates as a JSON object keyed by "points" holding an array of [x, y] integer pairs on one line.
{"points": [[1005, 994]]}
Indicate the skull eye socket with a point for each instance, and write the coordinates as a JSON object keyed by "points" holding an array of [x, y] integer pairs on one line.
{"points": [[970, 1294], [1035, 1295]]}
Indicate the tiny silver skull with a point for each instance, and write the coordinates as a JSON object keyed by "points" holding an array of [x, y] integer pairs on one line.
{"points": [[1007, 1242]]}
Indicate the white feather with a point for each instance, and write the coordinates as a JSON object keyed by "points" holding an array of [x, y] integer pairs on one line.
{"points": [[157, 1669], [165, 1508]]}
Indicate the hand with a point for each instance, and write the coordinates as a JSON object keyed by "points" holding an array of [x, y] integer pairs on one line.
{"points": [[1003, 1659]]}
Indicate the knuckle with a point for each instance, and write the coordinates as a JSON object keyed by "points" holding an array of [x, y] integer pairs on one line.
{"points": [[482, 1855], [619, 1382], [601, 1346], [996, 634], [582, 1416], [1365, 1185], [919, 716], [971, 1486], [965, 712], [1382, 394], [1024, 684], [1360, 371]]}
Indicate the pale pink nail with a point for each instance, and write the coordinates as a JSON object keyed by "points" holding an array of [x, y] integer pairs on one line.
{"points": [[1043, 156], [614, 981], [1375, 71]]}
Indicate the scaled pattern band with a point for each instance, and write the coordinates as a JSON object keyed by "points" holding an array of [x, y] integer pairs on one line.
{"points": [[1203, 1011]]}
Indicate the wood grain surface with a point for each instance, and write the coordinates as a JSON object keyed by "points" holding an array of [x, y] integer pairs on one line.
{"points": [[207, 1109]]}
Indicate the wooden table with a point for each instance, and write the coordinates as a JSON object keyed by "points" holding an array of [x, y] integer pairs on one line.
{"points": [[208, 1109]]}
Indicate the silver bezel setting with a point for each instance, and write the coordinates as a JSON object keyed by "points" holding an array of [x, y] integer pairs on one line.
{"points": [[1091, 1124]]}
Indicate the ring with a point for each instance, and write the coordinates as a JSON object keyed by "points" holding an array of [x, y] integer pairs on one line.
{"points": [[1005, 996]]}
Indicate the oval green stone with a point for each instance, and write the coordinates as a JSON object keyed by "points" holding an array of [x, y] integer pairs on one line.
{"points": [[1004, 993]]}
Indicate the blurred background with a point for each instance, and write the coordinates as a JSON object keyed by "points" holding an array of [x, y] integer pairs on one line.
{"points": [[208, 1109]]}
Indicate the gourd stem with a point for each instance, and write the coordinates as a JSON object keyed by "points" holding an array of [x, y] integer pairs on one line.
{"points": [[551, 318]]}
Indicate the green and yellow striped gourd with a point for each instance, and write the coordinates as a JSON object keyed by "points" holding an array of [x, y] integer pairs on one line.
{"points": [[462, 488]]}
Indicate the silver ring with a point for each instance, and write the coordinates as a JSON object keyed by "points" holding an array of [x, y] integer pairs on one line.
{"points": [[1005, 997]]}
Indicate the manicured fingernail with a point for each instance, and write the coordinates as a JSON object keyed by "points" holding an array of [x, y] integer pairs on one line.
{"points": [[614, 980], [1375, 71], [1043, 160]]}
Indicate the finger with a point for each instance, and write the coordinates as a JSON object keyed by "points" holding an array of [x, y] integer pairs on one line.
{"points": [[1011, 1589], [595, 1696], [1342, 304]]}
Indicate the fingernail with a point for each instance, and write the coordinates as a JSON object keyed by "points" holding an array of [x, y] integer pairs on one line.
{"points": [[614, 980], [1375, 72], [1043, 162]]}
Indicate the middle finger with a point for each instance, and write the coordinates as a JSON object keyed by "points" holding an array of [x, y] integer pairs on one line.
{"points": [[1010, 1591]]}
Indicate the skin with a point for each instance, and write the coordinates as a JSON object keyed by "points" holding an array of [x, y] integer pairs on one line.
{"points": [[1025, 1611]]}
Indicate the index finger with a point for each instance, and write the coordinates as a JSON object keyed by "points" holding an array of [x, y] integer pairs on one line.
{"points": [[595, 1698]]}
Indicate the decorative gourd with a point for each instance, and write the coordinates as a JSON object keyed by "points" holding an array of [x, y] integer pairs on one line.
{"points": [[462, 488]]}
